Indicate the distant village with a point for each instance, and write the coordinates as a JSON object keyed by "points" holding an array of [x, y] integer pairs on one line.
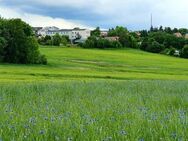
{"points": [[80, 35]]}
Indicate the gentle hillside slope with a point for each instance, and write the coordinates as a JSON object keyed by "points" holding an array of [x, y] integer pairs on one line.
{"points": [[76, 63]]}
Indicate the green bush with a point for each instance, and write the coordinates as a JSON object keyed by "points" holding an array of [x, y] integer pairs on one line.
{"points": [[184, 52], [95, 42], [155, 47], [55, 40], [172, 51], [42, 60], [17, 42]]}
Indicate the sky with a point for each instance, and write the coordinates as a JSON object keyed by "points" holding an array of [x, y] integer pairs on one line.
{"points": [[133, 14]]}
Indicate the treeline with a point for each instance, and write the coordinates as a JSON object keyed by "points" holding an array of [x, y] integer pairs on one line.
{"points": [[165, 41], [157, 40], [18, 44], [55, 40], [122, 38]]}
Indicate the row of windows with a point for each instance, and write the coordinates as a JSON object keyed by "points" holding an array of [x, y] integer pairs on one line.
{"points": [[64, 33], [57, 32]]}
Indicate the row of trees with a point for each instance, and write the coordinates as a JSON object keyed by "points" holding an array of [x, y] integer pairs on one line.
{"points": [[156, 40], [169, 30], [125, 39], [161, 41], [55, 40], [18, 44], [98, 42]]}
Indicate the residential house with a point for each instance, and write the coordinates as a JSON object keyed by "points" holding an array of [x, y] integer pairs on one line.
{"points": [[178, 34]]}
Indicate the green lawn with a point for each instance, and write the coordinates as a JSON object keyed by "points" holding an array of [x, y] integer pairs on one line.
{"points": [[95, 95], [76, 63]]}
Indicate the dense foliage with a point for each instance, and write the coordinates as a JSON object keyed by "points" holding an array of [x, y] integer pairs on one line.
{"points": [[96, 32], [167, 41], [17, 43], [184, 52], [157, 40], [98, 42], [125, 39], [55, 40]]}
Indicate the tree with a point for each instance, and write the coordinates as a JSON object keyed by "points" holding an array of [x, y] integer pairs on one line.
{"points": [[175, 30], [2, 46], [161, 28], [168, 30], [17, 42], [65, 40], [90, 42], [155, 47], [125, 38], [95, 42], [56, 40], [144, 44], [144, 33], [183, 31], [96, 32], [184, 52]]}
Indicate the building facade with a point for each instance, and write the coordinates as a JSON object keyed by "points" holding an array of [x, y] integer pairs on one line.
{"points": [[76, 34]]}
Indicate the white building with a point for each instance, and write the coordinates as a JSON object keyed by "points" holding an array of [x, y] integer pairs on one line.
{"points": [[76, 34]]}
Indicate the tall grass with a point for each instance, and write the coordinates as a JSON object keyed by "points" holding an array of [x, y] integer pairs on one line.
{"points": [[94, 111]]}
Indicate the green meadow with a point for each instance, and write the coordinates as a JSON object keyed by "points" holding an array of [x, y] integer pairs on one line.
{"points": [[95, 95], [92, 64]]}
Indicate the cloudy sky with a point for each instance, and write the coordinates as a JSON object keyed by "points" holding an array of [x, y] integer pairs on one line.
{"points": [[133, 14]]}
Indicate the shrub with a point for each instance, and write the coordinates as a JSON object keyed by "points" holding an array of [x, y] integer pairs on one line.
{"points": [[95, 42], [155, 47], [56, 40], [116, 44], [2, 46], [166, 51], [42, 60], [172, 51], [184, 52], [17, 43]]}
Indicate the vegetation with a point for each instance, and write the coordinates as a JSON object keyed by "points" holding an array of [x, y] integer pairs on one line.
{"points": [[55, 40], [101, 110], [184, 52], [96, 32], [102, 43], [78, 95], [157, 40], [163, 40], [36, 105], [91, 64], [124, 39], [17, 43]]}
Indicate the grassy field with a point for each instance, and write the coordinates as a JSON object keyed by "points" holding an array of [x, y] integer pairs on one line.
{"points": [[76, 63], [95, 111], [95, 95]]}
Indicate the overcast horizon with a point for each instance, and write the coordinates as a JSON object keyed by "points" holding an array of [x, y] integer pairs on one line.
{"points": [[133, 14]]}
